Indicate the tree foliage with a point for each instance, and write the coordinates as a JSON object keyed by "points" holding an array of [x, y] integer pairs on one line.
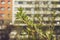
{"points": [[37, 28], [34, 27]]}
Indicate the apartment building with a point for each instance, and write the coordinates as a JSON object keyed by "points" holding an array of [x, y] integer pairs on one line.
{"points": [[30, 8], [5, 11]]}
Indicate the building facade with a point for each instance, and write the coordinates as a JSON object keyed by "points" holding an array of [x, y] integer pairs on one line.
{"points": [[5, 11], [46, 8], [31, 9]]}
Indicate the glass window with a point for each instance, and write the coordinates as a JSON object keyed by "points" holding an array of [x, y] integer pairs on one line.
{"points": [[37, 2], [57, 2], [9, 8], [2, 2], [56, 8], [28, 9], [29, 15], [37, 9], [2, 8], [9, 2], [30, 2], [2, 15], [20, 2]]}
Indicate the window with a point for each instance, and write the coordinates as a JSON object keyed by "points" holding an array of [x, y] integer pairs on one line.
{"points": [[28, 9], [20, 2], [29, 15], [1, 22], [9, 2], [9, 8], [57, 2], [2, 2], [2, 8], [55, 9], [45, 2], [30, 2], [2, 15], [36, 9], [37, 2]]}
